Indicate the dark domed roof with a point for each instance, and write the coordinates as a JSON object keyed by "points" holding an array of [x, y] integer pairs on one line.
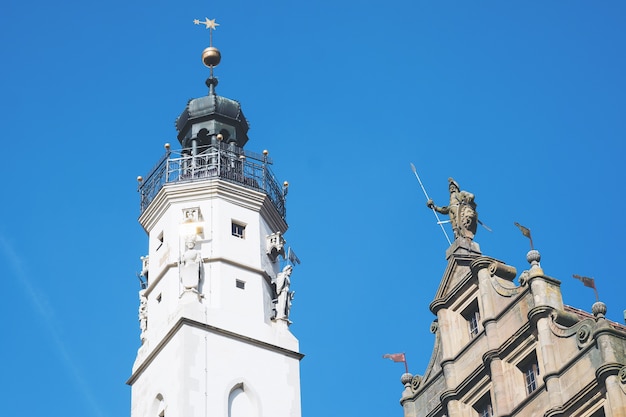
{"points": [[226, 113]]}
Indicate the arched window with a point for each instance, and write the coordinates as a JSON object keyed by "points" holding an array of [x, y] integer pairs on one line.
{"points": [[158, 407], [239, 403]]}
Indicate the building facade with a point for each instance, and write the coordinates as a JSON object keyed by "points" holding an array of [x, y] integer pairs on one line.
{"points": [[215, 293], [514, 349]]}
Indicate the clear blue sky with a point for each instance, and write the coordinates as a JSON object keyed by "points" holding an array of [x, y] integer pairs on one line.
{"points": [[523, 103]]}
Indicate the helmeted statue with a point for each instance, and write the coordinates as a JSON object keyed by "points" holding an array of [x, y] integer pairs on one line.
{"points": [[462, 211]]}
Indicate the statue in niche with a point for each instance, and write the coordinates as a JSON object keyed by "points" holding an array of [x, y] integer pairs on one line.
{"points": [[283, 295], [143, 314], [190, 266], [462, 211]]}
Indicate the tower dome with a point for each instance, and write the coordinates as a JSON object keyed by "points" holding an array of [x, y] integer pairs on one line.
{"points": [[205, 117]]}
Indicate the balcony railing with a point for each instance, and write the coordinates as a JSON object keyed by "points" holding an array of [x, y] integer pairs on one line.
{"points": [[222, 161]]}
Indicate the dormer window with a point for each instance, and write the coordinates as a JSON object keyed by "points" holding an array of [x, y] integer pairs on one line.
{"points": [[530, 369]]}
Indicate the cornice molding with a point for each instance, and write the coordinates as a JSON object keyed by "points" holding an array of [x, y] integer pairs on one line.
{"points": [[184, 321]]}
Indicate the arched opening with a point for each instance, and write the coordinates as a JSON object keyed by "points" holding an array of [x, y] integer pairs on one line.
{"points": [[239, 403]]}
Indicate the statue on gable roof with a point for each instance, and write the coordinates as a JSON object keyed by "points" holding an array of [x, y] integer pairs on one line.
{"points": [[462, 211]]}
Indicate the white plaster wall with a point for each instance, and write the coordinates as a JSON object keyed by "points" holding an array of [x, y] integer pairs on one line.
{"points": [[197, 370]]}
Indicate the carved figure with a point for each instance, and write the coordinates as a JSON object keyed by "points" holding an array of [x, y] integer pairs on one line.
{"points": [[190, 267], [284, 296], [275, 246], [462, 211], [143, 314]]}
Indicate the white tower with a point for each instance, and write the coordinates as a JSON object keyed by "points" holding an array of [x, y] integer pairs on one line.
{"points": [[214, 303]]}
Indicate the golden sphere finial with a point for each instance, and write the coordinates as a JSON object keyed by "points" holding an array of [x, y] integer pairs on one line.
{"points": [[167, 146], [265, 152], [139, 178], [220, 137], [285, 184], [211, 56]]}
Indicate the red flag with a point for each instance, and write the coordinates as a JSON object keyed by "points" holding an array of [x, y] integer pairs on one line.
{"points": [[587, 282], [396, 357], [526, 232]]}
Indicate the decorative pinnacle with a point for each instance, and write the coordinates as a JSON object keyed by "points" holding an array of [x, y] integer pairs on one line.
{"points": [[210, 56]]}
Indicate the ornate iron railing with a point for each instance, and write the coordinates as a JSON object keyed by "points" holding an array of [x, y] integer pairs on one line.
{"points": [[216, 161]]}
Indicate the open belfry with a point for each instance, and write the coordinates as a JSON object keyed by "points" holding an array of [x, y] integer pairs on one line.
{"points": [[215, 285], [506, 344]]}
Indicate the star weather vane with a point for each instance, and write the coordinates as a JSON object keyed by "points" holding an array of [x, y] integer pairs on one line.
{"points": [[210, 24]]}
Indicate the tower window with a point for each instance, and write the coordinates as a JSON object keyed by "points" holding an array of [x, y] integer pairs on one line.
{"points": [[238, 230], [159, 298], [240, 284], [530, 369]]}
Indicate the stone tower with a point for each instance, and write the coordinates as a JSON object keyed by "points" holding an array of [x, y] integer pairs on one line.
{"points": [[215, 297]]}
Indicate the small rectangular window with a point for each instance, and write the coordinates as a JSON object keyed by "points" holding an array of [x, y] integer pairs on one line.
{"points": [[240, 284], [530, 369], [531, 375], [238, 230], [473, 324], [472, 316]]}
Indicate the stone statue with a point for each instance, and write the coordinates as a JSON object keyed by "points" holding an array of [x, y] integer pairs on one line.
{"points": [[143, 314], [462, 211], [190, 267], [283, 295]]}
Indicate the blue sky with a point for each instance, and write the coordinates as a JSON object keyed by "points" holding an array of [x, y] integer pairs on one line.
{"points": [[521, 102]]}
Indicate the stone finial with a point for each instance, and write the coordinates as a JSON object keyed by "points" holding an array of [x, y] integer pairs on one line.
{"points": [[406, 379], [533, 257], [434, 326], [598, 309]]}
